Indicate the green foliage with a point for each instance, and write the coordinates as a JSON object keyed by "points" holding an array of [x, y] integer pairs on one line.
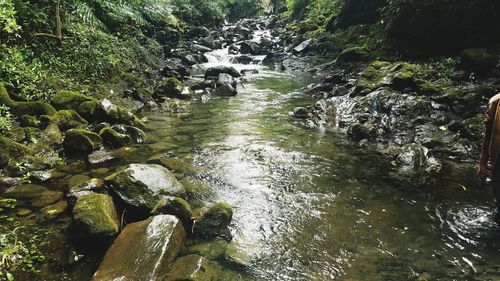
{"points": [[243, 8], [201, 11], [5, 119], [7, 16]]}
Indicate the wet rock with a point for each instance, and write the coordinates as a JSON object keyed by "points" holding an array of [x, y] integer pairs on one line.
{"points": [[177, 207], [236, 255], [9, 181], [55, 210], [137, 135], [272, 58], [193, 268], [398, 76], [141, 186], [92, 186], [77, 180], [175, 106], [172, 163], [214, 222], [113, 138], [95, 217], [243, 59], [215, 71], [40, 176], [200, 48], [300, 112], [249, 71], [415, 158], [302, 46], [106, 111], [175, 68], [81, 142], [156, 242], [249, 47], [46, 198], [211, 250], [170, 88], [225, 90]]}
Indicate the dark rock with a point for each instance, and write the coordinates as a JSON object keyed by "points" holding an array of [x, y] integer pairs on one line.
{"points": [[249, 71], [137, 135], [214, 222], [156, 243], [249, 47], [95, 217], [114, 139], [177, 207], [170, 88], [108, 112], [215, 71], [301, 112], [243, 59], [81, 142]]}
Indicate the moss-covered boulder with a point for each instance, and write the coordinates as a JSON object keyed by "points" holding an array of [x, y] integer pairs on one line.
{"points": [[91, 186], [398, 75], [69, 100], [51, 138], [479, 59], [113, 138], [87, 109], [141, 186], [356, 53], [144, 250], [68, 119], [170, 88], [106, 111], [11, 150], [81, 142], [16, 134], [214, 222], [137, 135], [19, 108], [178, 207], [29, 121], [95, 217]]}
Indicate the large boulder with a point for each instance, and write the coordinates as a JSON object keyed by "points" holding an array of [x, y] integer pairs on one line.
{"points": [[225, 86], [106, 111], [213, 72], [141, 186], [95, 217], [81, 142], [215, 221], [11, 150], [68, 119], [113, 138], [143, 251]]}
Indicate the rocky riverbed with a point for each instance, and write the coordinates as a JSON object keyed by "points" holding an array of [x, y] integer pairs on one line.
{"points": [[235, 166]]}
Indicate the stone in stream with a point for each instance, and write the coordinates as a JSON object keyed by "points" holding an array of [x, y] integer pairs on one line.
{"points": [[90, 187], [144, 250], [95, 217], [170, 88], [46, 198], [302, 46], [214, 222], [172, 163], [249, 47], [80, 141], [113, 138], [213, 72], [243, 59], [137, 135], [106, 111], [225, 86], [249, 71], [141, 186], [55, 210], [193, 268]]}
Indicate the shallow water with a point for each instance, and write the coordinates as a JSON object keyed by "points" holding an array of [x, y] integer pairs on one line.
{"points": [[308, 205]]}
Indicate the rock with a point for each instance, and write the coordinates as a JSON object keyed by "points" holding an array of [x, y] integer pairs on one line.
{"points": [[249, 47], [16, 134], [237, 256], [91, 186], [81, 142], [29, 121], [68, 100], [177, 207], [357, 53], [175, 68], [172, 163], [398, 76], [300, 112], [11, 150], [211, 250], [225, 90], [46, 198], [18, 108], [243, 59], [137, 135], [156, 242], [95, 217], [51, 138], [215, 71], [108, 112], [141, 186], [68, 119], [55, 210], [193, 268], [8, 182], [249, 71], [40, 176], [479, 59], [201, 49], [170, 88], [214, 222], [114, 139], [302, 46], [24, 191], [77, 180]]}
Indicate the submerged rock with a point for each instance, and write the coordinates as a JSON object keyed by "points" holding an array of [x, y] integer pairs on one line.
{"points": [[214, 222], [143, 251], [193, 268], [141, 186], [86, 188], [95, 217], [46, 198]]}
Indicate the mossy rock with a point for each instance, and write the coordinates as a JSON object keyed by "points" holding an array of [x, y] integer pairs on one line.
{"points": [[356, 53], [113, 138], [46, 198], [69, 100], [55, 210], [95, 216], [11, 150], [51, 137], [214, 222], [211, 250], [170, 88], [137, 135], [87, 109], [174, 164], [29, 121], [68, 119], [479, 59], [193, 268], [141, 186], [18, 108], [106, 111], [398, 75], [175, 206], [81, 142], [16, 134]]}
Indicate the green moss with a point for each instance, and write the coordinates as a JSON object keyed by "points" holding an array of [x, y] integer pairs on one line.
{"points": [[214, 221], [95, 215], [29, 121], [69, 100], [86, 109], [355, 53], [175, 206], [68, 119], [19, 108], [80, 141], [113, 138], [11, 150]]}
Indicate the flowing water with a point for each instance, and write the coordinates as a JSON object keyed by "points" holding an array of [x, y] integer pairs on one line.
{"points": [[308, 205]]}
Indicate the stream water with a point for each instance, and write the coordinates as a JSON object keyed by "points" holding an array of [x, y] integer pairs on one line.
{"points": [[308, 205]]}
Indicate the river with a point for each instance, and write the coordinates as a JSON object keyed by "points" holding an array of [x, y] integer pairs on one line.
{"points": [[308, 204]]}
